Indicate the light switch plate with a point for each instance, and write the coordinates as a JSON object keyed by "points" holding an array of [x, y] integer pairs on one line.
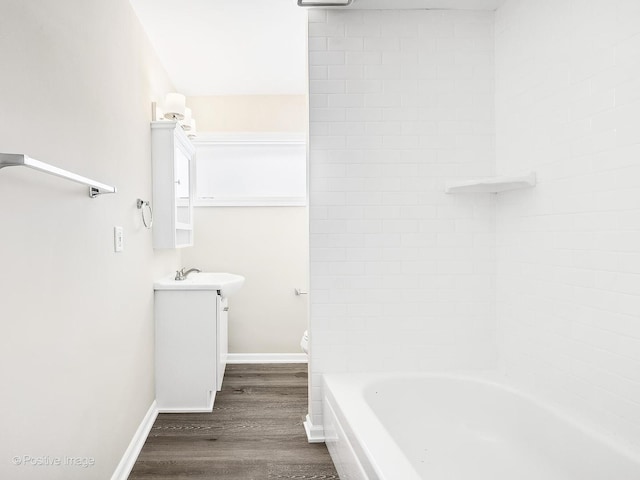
{"points": [[118, 239]]}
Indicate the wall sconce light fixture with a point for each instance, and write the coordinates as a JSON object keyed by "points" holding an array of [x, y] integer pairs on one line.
{"points": [[175, 110]]}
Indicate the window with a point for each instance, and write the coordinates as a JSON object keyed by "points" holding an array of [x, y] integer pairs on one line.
{"points": [[248, 169]]}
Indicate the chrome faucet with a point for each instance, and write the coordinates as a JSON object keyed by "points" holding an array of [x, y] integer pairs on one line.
{"points": [[182, 274]]}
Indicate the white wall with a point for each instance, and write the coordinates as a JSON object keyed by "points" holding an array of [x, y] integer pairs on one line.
{"points": [[250, 113], [77, 319], [568, 107], [402, 275], [567, 252], [268, 245]]}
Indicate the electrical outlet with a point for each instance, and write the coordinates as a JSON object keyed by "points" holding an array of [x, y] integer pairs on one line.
{"points": [[118, 239]]}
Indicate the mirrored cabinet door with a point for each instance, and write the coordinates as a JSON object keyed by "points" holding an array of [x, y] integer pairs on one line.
{"points": [[173, 157], [182, 166]]}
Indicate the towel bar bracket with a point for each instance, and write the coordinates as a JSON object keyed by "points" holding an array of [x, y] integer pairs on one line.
{"points": [[94, 192]]}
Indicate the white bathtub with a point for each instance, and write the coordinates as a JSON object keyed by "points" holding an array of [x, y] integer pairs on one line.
{"points": [[444, 427]]}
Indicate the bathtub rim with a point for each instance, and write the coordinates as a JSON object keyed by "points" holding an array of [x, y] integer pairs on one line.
{"points": [[369, 426]]}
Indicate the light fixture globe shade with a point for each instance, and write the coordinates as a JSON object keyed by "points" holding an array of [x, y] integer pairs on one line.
{"points": [[174, 106]]}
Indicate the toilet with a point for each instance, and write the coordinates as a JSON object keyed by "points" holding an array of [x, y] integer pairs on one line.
{"points": [[304, 343]]}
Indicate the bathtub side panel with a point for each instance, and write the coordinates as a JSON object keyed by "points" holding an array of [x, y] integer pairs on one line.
{"points": [[341, 451]]}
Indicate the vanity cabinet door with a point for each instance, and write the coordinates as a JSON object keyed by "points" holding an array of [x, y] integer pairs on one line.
{"points": [[186, 350]]}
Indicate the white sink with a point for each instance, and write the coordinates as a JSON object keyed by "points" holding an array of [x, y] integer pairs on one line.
{"points": [[226, 283]]}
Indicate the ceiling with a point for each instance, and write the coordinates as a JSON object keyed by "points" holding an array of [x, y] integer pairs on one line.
{"points": [[245, 47], [229, 47]]}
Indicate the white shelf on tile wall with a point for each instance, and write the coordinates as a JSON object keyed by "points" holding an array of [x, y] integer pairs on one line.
{"points": [[492, 184]]}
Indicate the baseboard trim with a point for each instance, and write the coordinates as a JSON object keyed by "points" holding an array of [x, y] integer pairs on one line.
{"points": [[130, 456], [315, 433], [185, 410], [267, 358]]}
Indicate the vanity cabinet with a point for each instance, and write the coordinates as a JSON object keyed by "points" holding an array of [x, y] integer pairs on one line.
{"points": [[191, 349], [172, 160]]}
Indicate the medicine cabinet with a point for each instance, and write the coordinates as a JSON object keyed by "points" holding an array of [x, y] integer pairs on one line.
{"points": [[173, 157]]}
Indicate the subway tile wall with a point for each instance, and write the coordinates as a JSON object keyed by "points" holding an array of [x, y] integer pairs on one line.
{"points": [[402, 275], [568, 251]]}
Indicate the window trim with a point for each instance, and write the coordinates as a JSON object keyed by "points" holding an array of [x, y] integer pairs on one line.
{"points": [[253, 139]]}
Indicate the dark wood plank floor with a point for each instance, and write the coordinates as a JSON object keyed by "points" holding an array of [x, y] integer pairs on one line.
{"points": [[255, 432]]}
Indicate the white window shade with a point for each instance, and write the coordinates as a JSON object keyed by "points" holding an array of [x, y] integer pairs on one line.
{"points": [[251, 169]]}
